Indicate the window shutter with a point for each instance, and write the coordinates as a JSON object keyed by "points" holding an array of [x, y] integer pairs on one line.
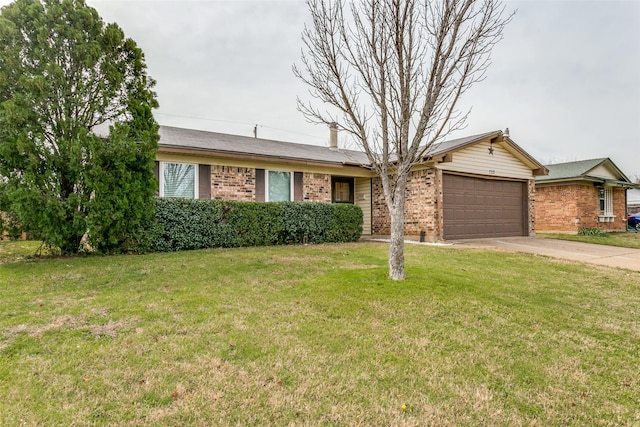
{"points": [[298, 190], [260, 185], [204, 184]]}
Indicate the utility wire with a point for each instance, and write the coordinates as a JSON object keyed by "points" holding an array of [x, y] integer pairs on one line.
{"points": [[241, 123]]}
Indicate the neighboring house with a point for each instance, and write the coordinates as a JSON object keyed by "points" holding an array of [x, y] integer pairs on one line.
{"points": [[479, 186], [633, 200], [582, 194]]}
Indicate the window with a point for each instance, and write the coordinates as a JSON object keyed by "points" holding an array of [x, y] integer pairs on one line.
{"points": [[605, 198], [606, 201], [342, 190], [278, 186], [178, 180]]}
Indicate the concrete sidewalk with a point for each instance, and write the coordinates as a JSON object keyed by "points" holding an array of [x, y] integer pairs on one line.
{"points": [[610, 256]]}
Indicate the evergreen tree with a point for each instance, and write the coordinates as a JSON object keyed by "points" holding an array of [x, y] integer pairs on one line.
{"points": [[77, 134]]}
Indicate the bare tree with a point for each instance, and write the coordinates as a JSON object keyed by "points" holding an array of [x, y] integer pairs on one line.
{"points": [[392, 73]]}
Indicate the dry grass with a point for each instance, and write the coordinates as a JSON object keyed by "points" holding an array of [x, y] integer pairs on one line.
{"points": [[316, 335]]}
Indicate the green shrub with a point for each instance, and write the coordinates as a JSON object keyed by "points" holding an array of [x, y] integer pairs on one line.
{"points": [[188, 224], [183, 224], [306, 222], [346, 224], [253, 223], [592, 232]]}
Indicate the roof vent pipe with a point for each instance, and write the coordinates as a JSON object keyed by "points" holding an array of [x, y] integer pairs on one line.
{"points": [[333, 136]]}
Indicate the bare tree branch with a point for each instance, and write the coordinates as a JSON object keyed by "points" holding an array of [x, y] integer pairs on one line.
{"points": [[392, 73]]}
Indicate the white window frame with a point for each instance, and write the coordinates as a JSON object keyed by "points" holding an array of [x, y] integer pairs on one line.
{"points": [[266, 184], [196, 178], [605, 194]]}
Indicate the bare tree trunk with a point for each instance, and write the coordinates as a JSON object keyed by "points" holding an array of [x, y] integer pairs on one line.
{"points": [[395, 205], [396, 247]]}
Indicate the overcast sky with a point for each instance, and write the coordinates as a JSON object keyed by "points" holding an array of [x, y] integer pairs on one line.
{"points": [[565, 80]]}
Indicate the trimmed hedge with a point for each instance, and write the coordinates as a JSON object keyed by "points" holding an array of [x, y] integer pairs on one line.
{"points": [[183, 224]]}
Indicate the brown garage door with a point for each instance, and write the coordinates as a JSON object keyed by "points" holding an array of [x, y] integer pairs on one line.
{"points": [[476, 208]]}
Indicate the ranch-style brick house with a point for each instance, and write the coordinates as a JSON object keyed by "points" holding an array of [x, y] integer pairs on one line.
{"points": [[473, 187], [582, 194]]}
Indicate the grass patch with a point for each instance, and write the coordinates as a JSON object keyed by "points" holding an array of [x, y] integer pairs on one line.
{"points": [[317, 335], [622, 239], [14, 250]]}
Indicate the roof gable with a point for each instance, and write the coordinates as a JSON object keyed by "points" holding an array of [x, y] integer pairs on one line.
{"points": [[459, 143], [456, 145], [595, 170]]}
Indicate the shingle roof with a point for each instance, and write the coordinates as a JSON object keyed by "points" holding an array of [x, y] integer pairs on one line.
{"points": [[213, 142], [220, 142], [581, 170], [571, 169], [244, 145]]}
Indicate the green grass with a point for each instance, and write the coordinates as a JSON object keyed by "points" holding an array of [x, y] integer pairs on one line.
{"points": [[623, 239], [316, 335], [19, 249]]}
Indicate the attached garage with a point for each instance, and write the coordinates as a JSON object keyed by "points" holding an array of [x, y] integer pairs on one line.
{"points": [[476, 187], [477, 207]]}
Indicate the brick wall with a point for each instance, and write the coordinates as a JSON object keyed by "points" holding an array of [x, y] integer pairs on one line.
{"points": [[316, 187], [568, 208], [557, 208], [421, 207], [619, 210], [531, 189], [380, 220], [233, 183], [420, 204]]}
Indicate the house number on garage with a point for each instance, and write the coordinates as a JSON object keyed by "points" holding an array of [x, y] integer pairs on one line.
{"points": [[492, 172]]}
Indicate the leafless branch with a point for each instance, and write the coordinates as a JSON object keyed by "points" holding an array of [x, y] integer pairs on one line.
{"points": [[392, 72]]}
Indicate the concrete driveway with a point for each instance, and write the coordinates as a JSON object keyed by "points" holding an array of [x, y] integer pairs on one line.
{"points": [[610, 256]]}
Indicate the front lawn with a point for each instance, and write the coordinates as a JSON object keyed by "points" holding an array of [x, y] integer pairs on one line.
{"points": [[623, 239], [18, 249], [316, 335]]}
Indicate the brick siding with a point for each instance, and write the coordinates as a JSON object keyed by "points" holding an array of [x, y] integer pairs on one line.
{"points": [[316, 187], [380, 220], [531, 197], [236, 183], [619, 210], [569, 208], [233, 183], [421, 206]]}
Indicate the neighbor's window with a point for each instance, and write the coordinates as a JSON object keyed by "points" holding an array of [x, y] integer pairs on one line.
{"points": [[178, 180], [606, 201], [279, 186]]}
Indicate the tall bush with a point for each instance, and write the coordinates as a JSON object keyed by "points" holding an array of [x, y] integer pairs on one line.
{"points": [[66, 79]]}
